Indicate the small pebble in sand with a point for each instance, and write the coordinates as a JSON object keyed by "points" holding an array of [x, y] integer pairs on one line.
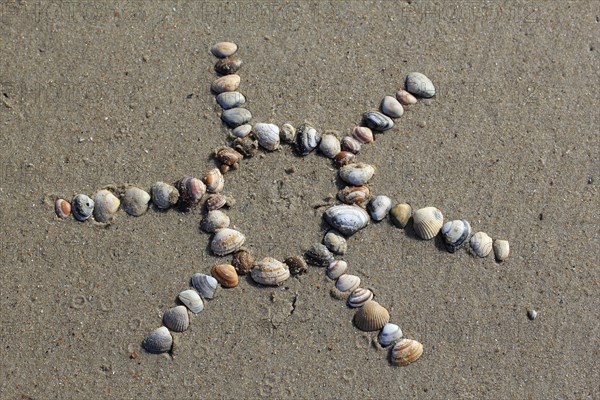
{"points": [[531, 314]]}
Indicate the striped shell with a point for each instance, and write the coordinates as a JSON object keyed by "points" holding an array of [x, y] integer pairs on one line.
{"points": [[270, 272], [82, 207], [106, 205], [389, 334], [190, 190], [357, 195], [371, 317], [501, 249], [362, 134], [136, 201], [357, 174], [158, 341], [335, 242], [347, 219], [330, 145], [419, 85], [267, 135], [379, 207], [343, 158], [307, 139], [206, 285], [351, 144], [216, 202], [225, 274], [336, 269], [481, 244], [192, 300], [62, 208], [359, 297], [227, 241], [427, 222], [228, 156], [164, 195], [318, 255], [347, 283], [378, 121], [406, 351], [176, 319], [456, 233], [400, 214], [214, 180]]}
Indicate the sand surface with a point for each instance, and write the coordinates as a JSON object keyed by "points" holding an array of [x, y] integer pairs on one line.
{"points": [[100, 93]]}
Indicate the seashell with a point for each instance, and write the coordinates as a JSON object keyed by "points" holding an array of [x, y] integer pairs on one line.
{"points": [[406, 351], [456, 233], [318, 255], [330, 145], [236, 116], [405, 98], [351, 144], [227, 241], [391, 107], [176, 319], [229, 100], [228, 156], [242, 131], [214, 180], [379, 207], [192, 300], [136, 201], [347, 283], [242, 262], [227, 83], [296, 265], [501, 249], [378, 121], [106, 205], [346, 219], [419, 85], [481, 244], [427, 222], [343, 158], [246, 146], [357, 174], [307, 139], [206, 285], [287, 134], [270, 272], [216, 202], [359, 297], [158, 341], [62, 208], [190, 190], [362, 134], [371, 317], [335, 242], [164, 195], [214, 221], [225, 274], [224, 49], [357, 195], [532, 314], [267, 135], [228, 65], [389, 334], [400, 214], [336, 269]]}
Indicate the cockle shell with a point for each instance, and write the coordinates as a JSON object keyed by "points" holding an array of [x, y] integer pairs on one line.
{"points": [[236, 116], [419, 85], [335, 242], [106, 205], [379, 207], [389, 334], [223, 49], [62, 208], [228, 65], [176, 319], [347, 219], [456, 233], [225, 274], [481, 244], [378, 121], [241, 131], [136, 201], [501, 249], [192, 300], [267, 135], [296, 265], [269, 271], [227, 241], [347, 283], [362, 134], [229, 100], [427, 222], [228, 156], [227, 83], [214, 221], [351, 144], [158, 341], [358, 195], [242, 261], [405, 98], [164, 195], [406, 351], [206, 285], [371, 317], [190, 191], [287, 134], [400, 214], [216, 202], [343, 158], [330, 145], [336, 269], [318, 255], [357, 174], [214, 180], [359, 297], [391, 107], [307, 139]]}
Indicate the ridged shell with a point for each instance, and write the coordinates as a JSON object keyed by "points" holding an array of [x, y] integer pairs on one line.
{"points": [[343, 158], [106, 205], [405, 98], [227, 241], [350, 144], [406, 351], [347, 219], [481, 244], [228, 65], [307, 139], [287, 134], [330, 145], [242, 261], [225, 274], [379, 207], [347, 283], [335, 242], [501, 249], [267, 135], [391, 107], [229, 100], [214, 181], [389, 334], [378, 121], [357, 174], [419, 85], [136, 201], [227, 83], [206, 285], [176, 319], [216, 202], [246, 146], [228, 156], [357, 195], [190, 191], [164, 195], [336, 269], [214, 221], [223, 49], [362, 134], [318, 255], [296, 265], [269, 271], [427, 222], [242, 131], [359, 297], [456, 233], [400, 214], [62, 208], [236, 116], [371, 317], [192, 300], [158, 341]]}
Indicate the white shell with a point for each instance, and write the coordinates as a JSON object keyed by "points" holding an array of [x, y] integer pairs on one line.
{"points": [[359, 297], [347, 283], [391, 107], [158, 341], [164, 195], [427, 222], [419, 85], [206, 285], [267, 135], [379, 207], [357, 174], [227, 241], [270, 272], [214, 181], [106, 205], [135, 201], [501, 249], [336, 269], [389, 334], [214, 221], [456, 233], [192, 300], [347, 219], [330, 145], [481, 244], [242, 130], [335, 242], [176, 319], [287, 134]]}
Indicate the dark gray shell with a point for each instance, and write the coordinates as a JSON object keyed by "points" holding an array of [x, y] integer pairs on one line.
{"points": [[319, 255], [307, 139], [378, 121], [158, 341], [228, 65]]}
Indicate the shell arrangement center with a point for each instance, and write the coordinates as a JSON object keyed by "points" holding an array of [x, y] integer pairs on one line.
{"points": [[356, 209]]}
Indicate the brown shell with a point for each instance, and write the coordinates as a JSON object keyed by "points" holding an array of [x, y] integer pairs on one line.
{"points": [[371, 317], [363, 134], [242, 262], [228, 65], [225, 274], [190, 191], [351, 144], [216, 202], [406, 351], [228, 156], [62, 208], [296, 264], [358, 195], [214, 181], [246, 146], [343, 158]]}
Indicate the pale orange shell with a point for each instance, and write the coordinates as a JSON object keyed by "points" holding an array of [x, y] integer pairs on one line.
{"points": [[225, 274], [406, 351], [371, 317]]}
